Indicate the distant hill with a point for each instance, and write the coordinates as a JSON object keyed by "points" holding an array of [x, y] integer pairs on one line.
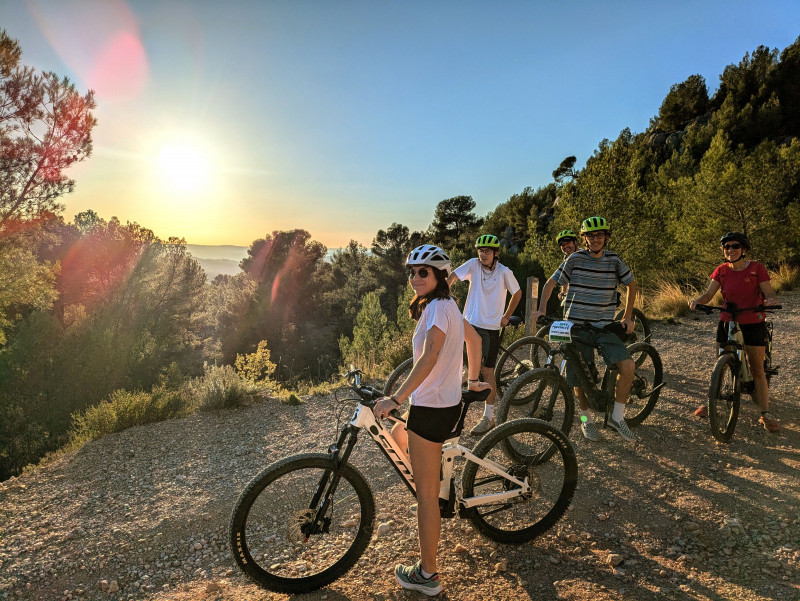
{"points": [[216, 260], [225, 258]]}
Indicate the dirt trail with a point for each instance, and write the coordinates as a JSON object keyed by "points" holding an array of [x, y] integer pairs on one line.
{"points": [[143, 514]]}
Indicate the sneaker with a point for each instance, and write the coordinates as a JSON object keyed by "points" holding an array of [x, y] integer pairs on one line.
{"points": [[590, 431], [770, 425], [410, 577], [622, 429], [701, 411], [482, 427]]}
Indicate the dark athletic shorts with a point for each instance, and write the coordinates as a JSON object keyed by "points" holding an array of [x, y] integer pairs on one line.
{"points": [[490, 345], [754, 334], [434, 424]]}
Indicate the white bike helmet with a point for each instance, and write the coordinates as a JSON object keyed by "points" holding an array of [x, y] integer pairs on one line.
{"points": [[427, 254]]}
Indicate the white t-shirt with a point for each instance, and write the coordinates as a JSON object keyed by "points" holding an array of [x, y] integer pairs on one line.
{"points": [[486, 300], [442, 387]]}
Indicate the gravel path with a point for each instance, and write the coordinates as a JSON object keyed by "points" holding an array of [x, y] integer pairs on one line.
{"points": [[143, 514]]}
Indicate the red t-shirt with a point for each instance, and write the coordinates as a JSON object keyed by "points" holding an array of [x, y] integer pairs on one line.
{"points": [[742, 288]]}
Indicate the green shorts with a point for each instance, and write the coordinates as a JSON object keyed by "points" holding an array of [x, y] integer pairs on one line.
{"points": [[612, 349]]}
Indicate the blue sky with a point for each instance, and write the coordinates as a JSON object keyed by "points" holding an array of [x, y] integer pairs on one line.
{"points": [[223, 121]]}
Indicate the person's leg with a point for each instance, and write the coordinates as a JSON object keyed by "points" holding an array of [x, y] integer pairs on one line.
{"points": [[426, 460], [473, 342], [625, 369], [490, 361], [400, 435], [755, 357]]}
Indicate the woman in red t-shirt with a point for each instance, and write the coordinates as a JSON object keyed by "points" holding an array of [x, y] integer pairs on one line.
{"points": [[745, 283]]}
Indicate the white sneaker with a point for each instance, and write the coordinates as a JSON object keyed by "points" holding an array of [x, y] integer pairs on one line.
{"points": [[622, 429], [590, 431], [482, 427]]}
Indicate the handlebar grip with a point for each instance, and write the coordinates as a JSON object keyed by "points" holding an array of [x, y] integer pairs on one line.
{"points": [[395, 413]]}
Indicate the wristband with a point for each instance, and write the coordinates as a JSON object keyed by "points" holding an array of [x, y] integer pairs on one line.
{"points": [[394, 400]]}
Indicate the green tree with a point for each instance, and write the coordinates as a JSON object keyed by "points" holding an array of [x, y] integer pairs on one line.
{"points": [[25, 285], [453, 221], [684, 102], [45, 127]]}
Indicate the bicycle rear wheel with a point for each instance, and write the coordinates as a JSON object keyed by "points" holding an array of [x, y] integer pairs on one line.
{"points": [[520, 357], [398, 376], [552, 481], [542, 394], [275, 537], [645, 388], [724, 396]]}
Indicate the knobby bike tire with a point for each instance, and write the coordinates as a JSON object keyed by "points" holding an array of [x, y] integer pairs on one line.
{"points": [[552, 481], [641, 330], [724, 396], [542, 394], [398, 376], [267, 533], [647, 375], [521, 356]]}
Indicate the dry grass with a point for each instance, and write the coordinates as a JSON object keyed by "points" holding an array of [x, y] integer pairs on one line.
{"points": [[670, 300], [787, 277]]}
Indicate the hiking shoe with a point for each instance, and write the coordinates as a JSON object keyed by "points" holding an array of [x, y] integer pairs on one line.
{"points": [[622, 429], [482, 427], [590, 431], [701, 411], [770, 425], [411, 578]]}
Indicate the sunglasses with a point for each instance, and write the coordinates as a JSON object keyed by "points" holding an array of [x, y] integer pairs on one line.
{"points": [[422, 272], [594, 235], [735, 246]]}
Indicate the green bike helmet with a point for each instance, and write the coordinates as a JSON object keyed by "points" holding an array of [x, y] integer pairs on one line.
{"points": [[487, 241], [595, 224], [566, 235]]}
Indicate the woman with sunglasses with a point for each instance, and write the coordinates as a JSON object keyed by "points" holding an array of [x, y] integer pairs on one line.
{"points": [[434, 386], [745, 283]]}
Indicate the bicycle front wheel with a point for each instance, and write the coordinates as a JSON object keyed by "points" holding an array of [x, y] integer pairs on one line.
{"points": [[552, 482], [520, 357], [299, 525], [648, 376], [723, 398], [398, 376], [542, 394]]}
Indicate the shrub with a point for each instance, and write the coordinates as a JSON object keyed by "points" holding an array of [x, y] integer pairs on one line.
{"points": [[255, 366], [221, 387], [787, 277], [125, 409]]}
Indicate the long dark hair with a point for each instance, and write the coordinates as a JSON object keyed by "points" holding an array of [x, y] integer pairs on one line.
{"points": [[442, 290]]}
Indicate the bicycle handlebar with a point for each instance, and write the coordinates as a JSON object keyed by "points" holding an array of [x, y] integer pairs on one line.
{"points": [[368, 394], [733, 309]]}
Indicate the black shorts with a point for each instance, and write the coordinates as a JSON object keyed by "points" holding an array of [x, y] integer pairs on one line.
{"points": [[754, 334], [490, 345], [434, 424]]}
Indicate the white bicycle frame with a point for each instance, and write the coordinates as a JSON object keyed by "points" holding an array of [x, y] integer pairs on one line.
{"points": [[364, 419]]}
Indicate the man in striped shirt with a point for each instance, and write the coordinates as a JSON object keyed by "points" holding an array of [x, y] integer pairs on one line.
{"points": [[592, 275]]}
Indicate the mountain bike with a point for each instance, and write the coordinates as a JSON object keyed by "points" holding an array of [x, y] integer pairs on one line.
{"points": [[731, 376], [544, 393], [305, 520], [522, 355]]}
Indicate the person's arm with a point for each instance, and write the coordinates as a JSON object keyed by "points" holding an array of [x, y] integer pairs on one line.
{"points": [[452, 279], [547, 290], [713, 286], [434, 340], [512, 305], [630, 299], [768, 292]]}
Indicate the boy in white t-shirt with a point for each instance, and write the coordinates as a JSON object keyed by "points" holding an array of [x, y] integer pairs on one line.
{"points": [[486, 311]]}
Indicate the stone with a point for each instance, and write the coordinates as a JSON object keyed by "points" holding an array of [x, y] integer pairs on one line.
{"points": [[614, 559]]}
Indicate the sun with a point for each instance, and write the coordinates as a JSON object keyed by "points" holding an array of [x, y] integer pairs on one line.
{"points": [[184, 166]]}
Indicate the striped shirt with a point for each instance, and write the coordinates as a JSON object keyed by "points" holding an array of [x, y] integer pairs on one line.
{"points": [[592, 293]]}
